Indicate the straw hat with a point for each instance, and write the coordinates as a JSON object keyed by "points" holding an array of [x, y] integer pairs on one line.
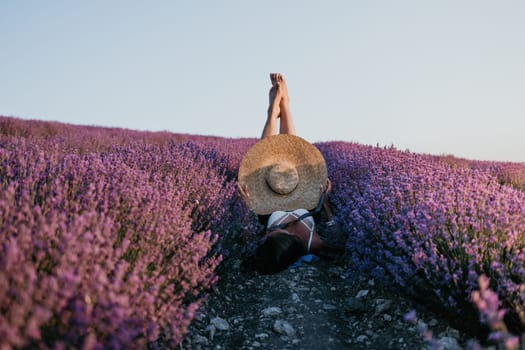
{"points": [[283, 172]]}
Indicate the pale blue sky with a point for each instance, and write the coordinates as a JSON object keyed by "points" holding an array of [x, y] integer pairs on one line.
{"points": [[439, 77]]}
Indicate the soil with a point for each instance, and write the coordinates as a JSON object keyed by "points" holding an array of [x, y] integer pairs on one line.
{"points": [[313, 306]]}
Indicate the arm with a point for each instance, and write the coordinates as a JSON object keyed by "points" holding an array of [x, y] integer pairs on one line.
{"points": [[330, 248], [326, 206]]}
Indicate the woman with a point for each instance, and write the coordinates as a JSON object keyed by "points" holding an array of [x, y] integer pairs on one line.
{"points": [[283, 179]]}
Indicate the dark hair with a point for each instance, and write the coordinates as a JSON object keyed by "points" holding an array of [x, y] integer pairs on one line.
{"points": [[277, 252]]}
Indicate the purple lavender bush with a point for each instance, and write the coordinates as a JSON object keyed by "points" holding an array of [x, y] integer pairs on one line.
{"points": [[105, 249], [507, 173], [430, 228]]}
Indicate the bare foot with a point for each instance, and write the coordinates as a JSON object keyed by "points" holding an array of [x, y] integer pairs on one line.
{"points": [[285, 99], [275, 94], [273, 78], [277, 79]]}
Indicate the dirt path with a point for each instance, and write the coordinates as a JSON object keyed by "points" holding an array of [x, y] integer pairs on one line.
{"points": [[314, 306]]}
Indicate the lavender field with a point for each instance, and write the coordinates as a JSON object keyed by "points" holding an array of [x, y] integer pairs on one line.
{"points": [[111, 238]]}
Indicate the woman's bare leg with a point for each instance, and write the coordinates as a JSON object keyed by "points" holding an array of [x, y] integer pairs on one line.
{"points": [[270, 128], [287, 125]]}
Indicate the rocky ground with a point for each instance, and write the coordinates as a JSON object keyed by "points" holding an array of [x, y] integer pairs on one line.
{"points": [[314, 306]]}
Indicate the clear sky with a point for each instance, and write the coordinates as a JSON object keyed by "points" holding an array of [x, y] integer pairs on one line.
{"points": [[439, 77]]}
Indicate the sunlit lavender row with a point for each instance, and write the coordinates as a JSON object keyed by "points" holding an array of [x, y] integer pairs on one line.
{"points": [[432, 228], [110, 237]]}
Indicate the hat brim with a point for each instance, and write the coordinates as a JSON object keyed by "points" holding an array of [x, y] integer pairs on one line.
{"points": [[270, 151]]}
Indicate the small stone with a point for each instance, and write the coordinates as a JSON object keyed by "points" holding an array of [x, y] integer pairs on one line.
{"points": [[449, 343], [283, 327], [452, 332], [199, 339], [361, 338], [329, 307], [256, 344], [295, 298], [291, 310], [371, 283], [362, 293], [237, 264], [433, 322], [220, 323], [387, 317], [272, 311], [421, 326], [262, 335], [355, 306], [383, 305]]}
